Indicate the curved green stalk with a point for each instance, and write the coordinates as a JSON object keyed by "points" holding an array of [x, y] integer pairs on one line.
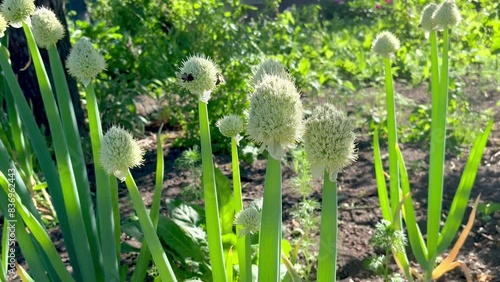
{"points": [[159, 257], [327, 259], [436, 162], [243, 243], [72, 134], [270, 232], [142, 265], [103, 198], [210, 195], [417, 243], [65, 167]]}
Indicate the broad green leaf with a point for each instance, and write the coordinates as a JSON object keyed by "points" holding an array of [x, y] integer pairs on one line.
{"points": [[184, 215], [184, 241]]}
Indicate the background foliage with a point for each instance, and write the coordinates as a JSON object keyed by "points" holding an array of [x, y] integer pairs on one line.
{"points": [[325, 46]]}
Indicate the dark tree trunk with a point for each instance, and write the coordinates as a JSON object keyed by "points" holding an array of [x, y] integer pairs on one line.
{"points": [[25, 71]]}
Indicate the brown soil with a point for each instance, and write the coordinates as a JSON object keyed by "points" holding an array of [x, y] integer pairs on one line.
{"points": [[358, 201]]}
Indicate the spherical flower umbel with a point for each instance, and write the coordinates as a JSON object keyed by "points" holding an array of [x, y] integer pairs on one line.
{"points": [[3, 26], [200, 76], [17, 11], [84, 62], [269, 67], [447, 14], [231, 126], [119, 152], [249, 218], [275, 117], [329, 141], [426, 20], [385, 44], [47, 29]]}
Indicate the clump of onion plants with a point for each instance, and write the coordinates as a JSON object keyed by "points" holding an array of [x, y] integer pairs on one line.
{"points": [[435, 19]]}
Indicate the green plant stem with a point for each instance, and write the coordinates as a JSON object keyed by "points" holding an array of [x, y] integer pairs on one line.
{"points": [[159, 257], [393, 161], [210, 195], [113, 188], [103, 198], [72, 134], [142, 265], [270, 233], [436, 162], [327, 259], [70, 194], [392, 137], [243, 243]]}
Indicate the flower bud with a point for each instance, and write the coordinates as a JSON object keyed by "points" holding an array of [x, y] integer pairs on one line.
{"points": [[200, 76], [329, 141], [231, 126], [426, 20], [249, 218], [84, 62], [447, 14], [385, 44], [47, 29], [275, 117], [269, 67], [3, 26], [17, 11], [119, 152]]}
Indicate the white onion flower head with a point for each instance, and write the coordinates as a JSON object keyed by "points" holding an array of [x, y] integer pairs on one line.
{"points": [[275, 117], [426, 20], [47, 29], [249, 218], [3, 26], [385, 44], [231, 126], [199, 75], [329, 141], [18, 11], [269, 67], [119, 152], [447, 14], [84, 62]]}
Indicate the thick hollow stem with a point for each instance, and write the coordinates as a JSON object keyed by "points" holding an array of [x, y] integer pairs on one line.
{"points": [[436, 162], [270, 234], [327, 259], [210, 195], [392, 137]]}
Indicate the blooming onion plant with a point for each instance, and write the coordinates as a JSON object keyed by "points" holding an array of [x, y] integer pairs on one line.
{"points": [[434, 18]]}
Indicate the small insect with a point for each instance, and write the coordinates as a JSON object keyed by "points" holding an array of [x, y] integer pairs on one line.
{"points": [[219, 78], [187, 77]]}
